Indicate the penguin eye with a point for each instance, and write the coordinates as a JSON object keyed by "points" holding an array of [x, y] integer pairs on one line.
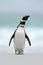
{"points": [[25, 17]]}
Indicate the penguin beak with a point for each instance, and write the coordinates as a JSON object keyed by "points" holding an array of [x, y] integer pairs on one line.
{"points": [[28, 16]]}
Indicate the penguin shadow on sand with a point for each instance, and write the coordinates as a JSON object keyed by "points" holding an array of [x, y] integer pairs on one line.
{"points": [[19, 36]]}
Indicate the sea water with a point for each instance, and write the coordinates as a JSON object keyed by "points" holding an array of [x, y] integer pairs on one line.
{"points": [[33, 28]]}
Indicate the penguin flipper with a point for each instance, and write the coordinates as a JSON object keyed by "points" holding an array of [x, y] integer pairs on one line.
{"points": [[28, 39], [11, 39], [13, 36]]}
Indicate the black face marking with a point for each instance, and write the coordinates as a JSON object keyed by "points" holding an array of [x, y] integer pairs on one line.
{"points": [[22, 26], [23, 23], [25, 17]]}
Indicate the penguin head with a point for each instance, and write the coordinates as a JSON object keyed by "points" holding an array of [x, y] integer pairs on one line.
{"points": [[23, 21], [25, 17]]}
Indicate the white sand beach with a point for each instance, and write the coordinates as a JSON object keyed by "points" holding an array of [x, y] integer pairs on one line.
{"points": [[27, 59]]}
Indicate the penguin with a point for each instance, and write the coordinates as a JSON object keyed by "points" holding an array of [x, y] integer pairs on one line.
{"points": [[19, 36]]}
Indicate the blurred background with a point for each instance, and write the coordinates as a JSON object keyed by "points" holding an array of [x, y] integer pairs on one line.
{"points": [[11, 12]]}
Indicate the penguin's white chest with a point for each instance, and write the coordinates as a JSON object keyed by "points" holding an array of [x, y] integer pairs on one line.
{"points": [[19, 40]]}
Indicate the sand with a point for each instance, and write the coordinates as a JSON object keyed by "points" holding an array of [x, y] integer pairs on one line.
{"points": [[27, 59]]}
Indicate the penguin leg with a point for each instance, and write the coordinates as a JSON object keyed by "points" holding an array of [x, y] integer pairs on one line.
{"points": [[28, 39], [18, 52], [22, 52]]}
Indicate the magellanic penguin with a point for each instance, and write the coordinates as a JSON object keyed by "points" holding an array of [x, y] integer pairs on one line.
{"points": [[19, 36]]}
